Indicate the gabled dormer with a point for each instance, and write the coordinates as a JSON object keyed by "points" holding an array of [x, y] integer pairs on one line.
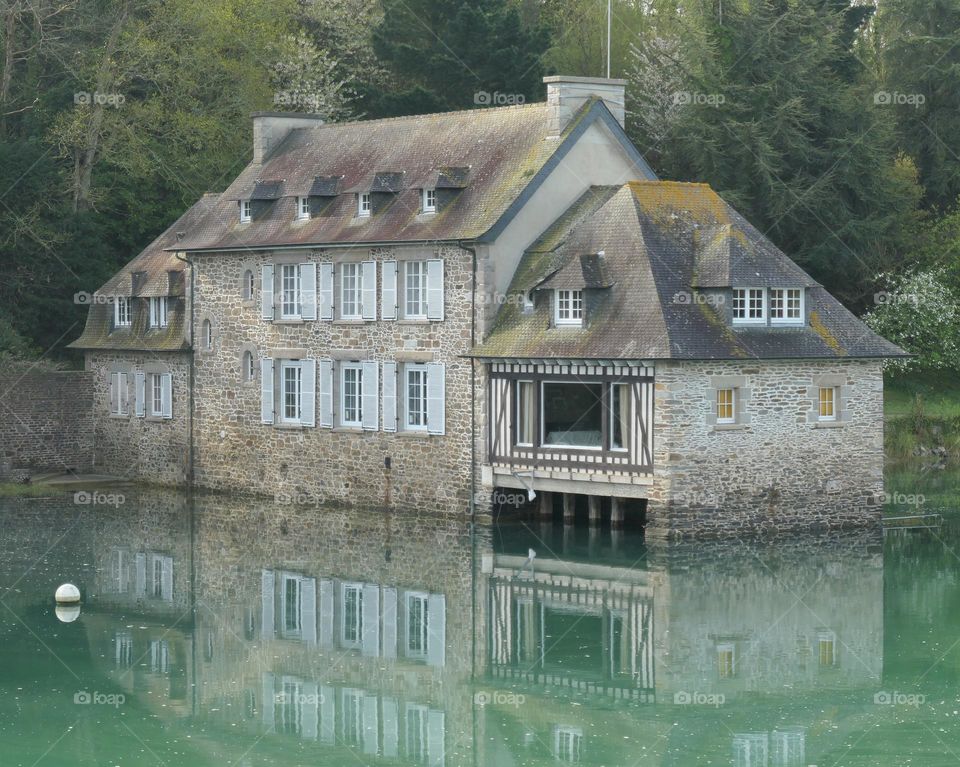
{"points": [[376, 191]]}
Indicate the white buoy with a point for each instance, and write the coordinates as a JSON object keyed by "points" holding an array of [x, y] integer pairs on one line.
{"points": [[67, 594], [67, 613]]}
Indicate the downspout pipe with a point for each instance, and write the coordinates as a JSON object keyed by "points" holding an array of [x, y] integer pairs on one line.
{"points": [[470, 247], [191, 369]]}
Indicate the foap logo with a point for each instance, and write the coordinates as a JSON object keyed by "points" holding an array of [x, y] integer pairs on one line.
{"points": [[884, 698], [95, 498], [904, 499], [883, 297], [88, 299], [298, 699], [687, 98], [500, 498], [499, 698], [84, 698], [895, 98], [85, 98], [683, 297], [700, 498], [497, 99], [297, 499], [682, 698]]}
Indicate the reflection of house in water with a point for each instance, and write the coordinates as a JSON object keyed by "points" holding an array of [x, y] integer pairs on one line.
{"points": [[780, 748]]}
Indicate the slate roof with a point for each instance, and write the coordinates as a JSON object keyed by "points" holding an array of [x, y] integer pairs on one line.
{"points": [[486, 157], [147, 275], [660, 240]]}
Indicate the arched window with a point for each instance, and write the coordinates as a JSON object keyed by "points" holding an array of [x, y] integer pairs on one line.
{"points": [[249, 368], [206, 335], [248, 285]]}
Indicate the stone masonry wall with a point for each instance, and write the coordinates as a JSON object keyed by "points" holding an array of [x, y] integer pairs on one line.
{"points": [[47, 420], [150, 449], [777, 471], [235, 451]]}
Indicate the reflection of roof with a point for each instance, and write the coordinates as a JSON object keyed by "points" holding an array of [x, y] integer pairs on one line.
{"points": [[490, 155], [661, 239]]}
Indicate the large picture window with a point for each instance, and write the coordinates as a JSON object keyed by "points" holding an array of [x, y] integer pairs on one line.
{"points": [[572, 414]]}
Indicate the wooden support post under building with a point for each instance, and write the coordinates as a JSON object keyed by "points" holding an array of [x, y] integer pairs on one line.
{"points": [[593, 503], [616, 513], [545, 504], [569, 508]]}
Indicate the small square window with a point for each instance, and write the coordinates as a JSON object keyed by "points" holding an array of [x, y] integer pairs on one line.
{"points": [[749, 305], [569, 307], [726, 405], [246, 211], [429, 203], [303, 208], [827, 403], [363, 204], [786, 306]]}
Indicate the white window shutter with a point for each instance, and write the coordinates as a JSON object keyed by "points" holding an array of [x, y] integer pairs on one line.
{"points": [[388, 291], [326, 292], [435, 289], [114, 392], [124, 394], [391, 727], [139, 394], [308, 392], [308, 611], [326, 613], [310, 715], [436, 393], [389, 622], [166, 395], [328, 715], [436, 629], [370, 645], [368, 309], [269, 698], [266, 390], [371, 396], [308, 291], [389, 396], [266, 291], [326, 393], [266, 601], [140, 563], [166, 579], [371, 725], [436, 733]]}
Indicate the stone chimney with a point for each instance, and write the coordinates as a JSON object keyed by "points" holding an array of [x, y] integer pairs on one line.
{"points": [[566, 94], [270, 128]]}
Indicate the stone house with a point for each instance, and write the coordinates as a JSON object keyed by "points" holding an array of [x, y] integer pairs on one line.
{"points": [[418, 311]]}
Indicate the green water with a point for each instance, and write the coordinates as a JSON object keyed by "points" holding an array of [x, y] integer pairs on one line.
{"points": [[238, 632]]}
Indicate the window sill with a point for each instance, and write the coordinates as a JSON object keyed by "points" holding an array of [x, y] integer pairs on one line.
{"points": [[348, 430], [730, 426], [749, 323], [415, 321], [412, 434], [829, 424], [249, 302], [287, 426], [358, 321], [289, 321], [155, 418], [119, 415]]}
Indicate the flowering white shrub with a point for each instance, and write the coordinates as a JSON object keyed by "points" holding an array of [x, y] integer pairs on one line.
{"points": [[920, 313]]}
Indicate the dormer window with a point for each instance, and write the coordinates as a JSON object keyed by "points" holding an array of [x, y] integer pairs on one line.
{"points": [[246, 211], [121, 312], [786, 306], [158, 312], [569, 305], [429, 201], [303, 208], [363, 204], [749, 306]]}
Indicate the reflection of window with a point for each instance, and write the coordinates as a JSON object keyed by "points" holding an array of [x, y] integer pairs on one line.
{"points": [[620, 660], [827, 647], [291, 604], [416, 733], [118, 571], [157, 581], [750, 749], [788, 748], [351, 722], [572, 414], [289, 717], [725, 661], [159, 656], [352, 623], [417, 625], [567, 744], [525, 413], [123, 649]]}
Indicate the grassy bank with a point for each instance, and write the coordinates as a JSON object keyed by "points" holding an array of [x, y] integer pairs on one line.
{"points": [[923, 418]]}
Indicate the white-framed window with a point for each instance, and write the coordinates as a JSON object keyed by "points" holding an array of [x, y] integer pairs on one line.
{"points": [[123, 649], [351, 290], [118, 393], [526, 415], [417, 622], [122, 316], [206, 335], [786, 306], [290, 606], [351, 394], [567, 744], [158, 312], [428, 202], [246, 211], [303, 208], [727, 405], [363, 204], [248, 367], [291, 391], [290, 291], [827, 649], [749, 305], [726, 661], [827, 403], [248, 287], [156, 395], [569, 307], [416, 741], [415, 290], [159, 656], [751, 749], [415, 397], [351, 622]]}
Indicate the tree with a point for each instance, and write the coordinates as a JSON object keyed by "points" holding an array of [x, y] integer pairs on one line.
{"points": [[446, 54]]}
